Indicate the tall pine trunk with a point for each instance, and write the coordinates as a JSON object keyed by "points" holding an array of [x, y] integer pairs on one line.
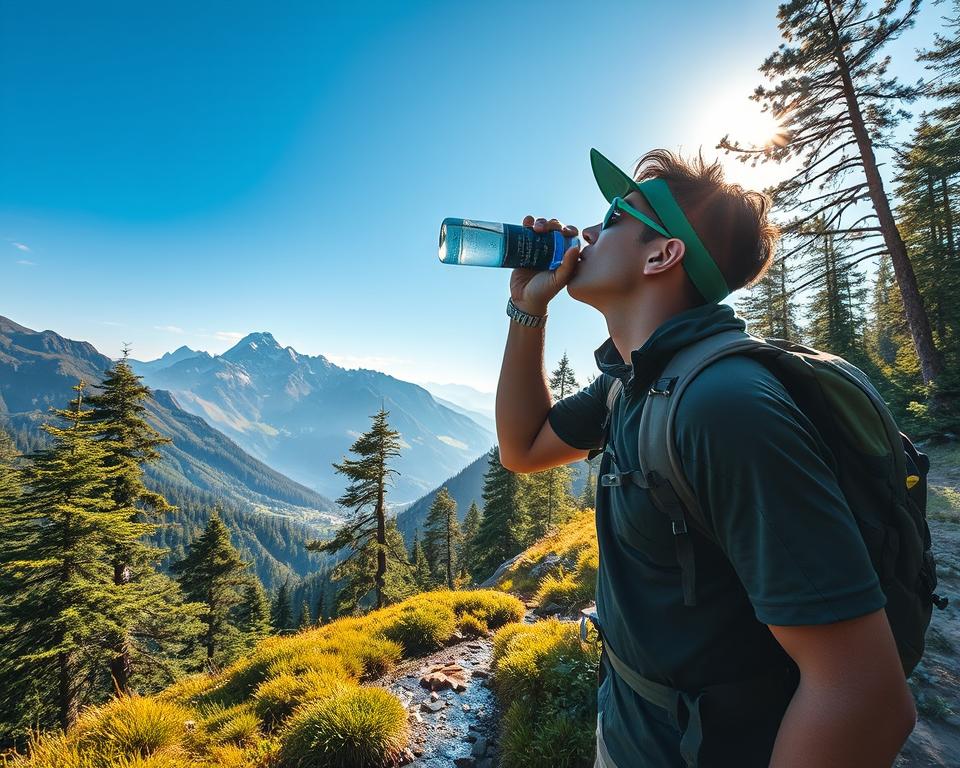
{"points": [[931, 364], [449, 552], [67, 693], [120, 663], [382, 542], [947, 217]]}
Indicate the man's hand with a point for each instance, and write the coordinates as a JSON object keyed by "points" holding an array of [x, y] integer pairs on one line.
{"points": [[532, 289]]}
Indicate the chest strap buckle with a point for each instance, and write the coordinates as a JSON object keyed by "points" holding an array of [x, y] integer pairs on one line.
{"points": [[612, 478], [663, 386]]}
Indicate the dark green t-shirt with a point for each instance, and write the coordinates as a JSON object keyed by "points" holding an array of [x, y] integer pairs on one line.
{"points": [[786, 551]]}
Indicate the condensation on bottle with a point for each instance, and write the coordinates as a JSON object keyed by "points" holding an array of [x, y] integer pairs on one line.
{"points": [[491, 244]]}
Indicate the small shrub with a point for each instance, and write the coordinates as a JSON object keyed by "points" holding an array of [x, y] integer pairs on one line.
{"points": [[188, 690], [421, 629], [495, 608], [561, 740], [588, 563], [503, 637], [547, 681], [242, 729], [132, 726], [562, 589], [336, 660], [228, 756], [517, 733], [53, 750], [362, 727], [277, 698], [471, 626]]}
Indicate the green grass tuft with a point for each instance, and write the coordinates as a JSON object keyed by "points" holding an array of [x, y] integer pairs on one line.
{"points": [[360, 728]]}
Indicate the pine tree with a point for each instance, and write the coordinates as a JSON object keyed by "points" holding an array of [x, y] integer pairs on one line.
{"points": [[835, 106], [769, 308], [442, 535], [10, 482], [837, 312], [555, 481], [304, 620], [281, 612], [944, 57], [252, 614], [422, 574], [504, 526], [213, 574], [150, 599], [321, 607], [563, 381], [928, 185], [541, 491], [354, 576], [468, 551], [588, 496], [56, 593], [366, 497]]}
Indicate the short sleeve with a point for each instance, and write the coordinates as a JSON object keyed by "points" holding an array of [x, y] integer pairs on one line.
{"points": [[757, 466], [578, 418]]}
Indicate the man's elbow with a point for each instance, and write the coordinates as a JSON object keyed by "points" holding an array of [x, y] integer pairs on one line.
{"points": [[510, 462]]}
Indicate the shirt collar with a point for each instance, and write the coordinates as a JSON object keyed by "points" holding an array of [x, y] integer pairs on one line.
{"points": [[678, 331]]}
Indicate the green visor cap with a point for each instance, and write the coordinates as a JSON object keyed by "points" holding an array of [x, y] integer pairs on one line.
{"points": [[697, 261]]}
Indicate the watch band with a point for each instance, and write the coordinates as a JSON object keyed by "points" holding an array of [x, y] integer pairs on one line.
{"points": [[524, 318]]}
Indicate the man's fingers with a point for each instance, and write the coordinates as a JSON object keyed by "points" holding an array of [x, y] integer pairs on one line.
{"points": [[540, 224], [568, 265]]}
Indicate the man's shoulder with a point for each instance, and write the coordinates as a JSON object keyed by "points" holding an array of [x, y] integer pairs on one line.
{"points": [[735, 386]]}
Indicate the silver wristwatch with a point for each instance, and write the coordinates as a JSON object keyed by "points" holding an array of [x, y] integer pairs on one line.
{"points": [[524, 318]]}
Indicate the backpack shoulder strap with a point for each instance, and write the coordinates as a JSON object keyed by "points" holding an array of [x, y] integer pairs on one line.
{"points": [[616, 386], [659, 462]]}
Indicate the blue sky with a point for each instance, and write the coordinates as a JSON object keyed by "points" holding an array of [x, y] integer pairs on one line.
{"points": [[186, 173]]}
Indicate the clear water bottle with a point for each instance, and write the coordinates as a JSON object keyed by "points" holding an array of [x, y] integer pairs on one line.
{"points": [[489, 244]]}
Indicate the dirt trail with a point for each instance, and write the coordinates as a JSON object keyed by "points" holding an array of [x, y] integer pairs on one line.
{"points": [[935, 741]]}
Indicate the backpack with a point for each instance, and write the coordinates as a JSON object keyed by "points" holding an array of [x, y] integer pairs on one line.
{"points": [[880, 472]]}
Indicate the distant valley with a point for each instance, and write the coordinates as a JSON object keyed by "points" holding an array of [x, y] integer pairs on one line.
{"points": [[300, 413]]}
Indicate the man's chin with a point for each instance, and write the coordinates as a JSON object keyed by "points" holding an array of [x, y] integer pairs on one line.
{"points": [[579, 292]]}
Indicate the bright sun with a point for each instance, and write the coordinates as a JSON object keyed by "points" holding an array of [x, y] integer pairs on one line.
{"points": [[743, 122]]}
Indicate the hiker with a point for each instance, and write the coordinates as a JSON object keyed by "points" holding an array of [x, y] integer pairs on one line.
{"points": [[785, 628]]}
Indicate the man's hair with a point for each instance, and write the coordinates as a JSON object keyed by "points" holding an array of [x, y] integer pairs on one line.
{"points": [[731, 221]]}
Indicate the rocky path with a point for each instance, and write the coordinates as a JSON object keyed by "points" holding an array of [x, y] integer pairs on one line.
{"points": [[452, 724], [453, 714]]}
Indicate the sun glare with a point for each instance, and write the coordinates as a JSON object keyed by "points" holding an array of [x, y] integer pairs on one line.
{"points": [[744, 123]]}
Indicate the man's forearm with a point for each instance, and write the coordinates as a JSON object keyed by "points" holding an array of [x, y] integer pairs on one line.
{"points": [[523, 398], [842, 727]]}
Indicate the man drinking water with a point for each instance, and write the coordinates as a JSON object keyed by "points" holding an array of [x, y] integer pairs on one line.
{"points": [[779, 652]]}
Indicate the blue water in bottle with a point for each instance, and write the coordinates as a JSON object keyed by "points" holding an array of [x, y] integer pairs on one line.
{"points": [[489, 244]]}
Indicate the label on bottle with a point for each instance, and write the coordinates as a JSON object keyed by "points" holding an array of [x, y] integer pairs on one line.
{"points": [[525, 248]]}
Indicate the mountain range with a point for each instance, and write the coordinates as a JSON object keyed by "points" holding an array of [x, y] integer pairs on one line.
{"points": [[300, 413], [201, 467]]}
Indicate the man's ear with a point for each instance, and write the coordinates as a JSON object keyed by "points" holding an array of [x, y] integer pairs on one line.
{"points": [[670, 254]]}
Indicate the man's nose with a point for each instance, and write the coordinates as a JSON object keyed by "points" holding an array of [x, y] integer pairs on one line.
{"points": [[590, 234]]}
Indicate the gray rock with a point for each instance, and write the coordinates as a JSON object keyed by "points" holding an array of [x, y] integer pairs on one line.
{"points": [[479, 747], [499, 572], [432, 706]]}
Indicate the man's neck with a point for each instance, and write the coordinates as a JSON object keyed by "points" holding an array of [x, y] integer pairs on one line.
{"points": [[631, 324]]}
